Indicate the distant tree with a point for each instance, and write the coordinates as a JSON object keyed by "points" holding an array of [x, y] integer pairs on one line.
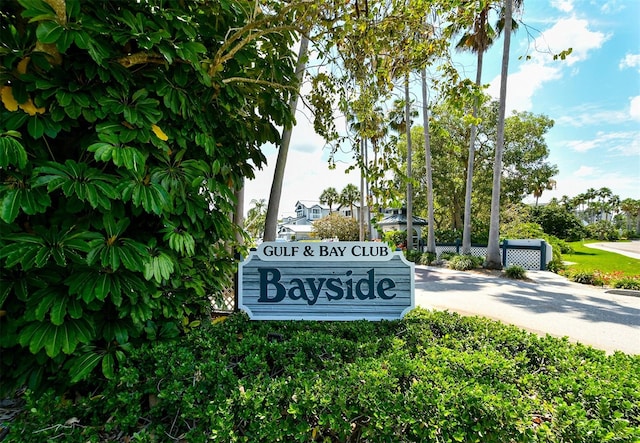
{"points": [[631, 209], [328, 197], [256, 216], [348, 196], [556, 220], [336, 226]]}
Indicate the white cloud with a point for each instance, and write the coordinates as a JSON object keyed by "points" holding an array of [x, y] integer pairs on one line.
{"points": [[630, 61], [622, 143], [532, 74], [613, 6], [582, 145], [634, 108], [563, 5], [523, 84], [568, 33], [585, 171]]}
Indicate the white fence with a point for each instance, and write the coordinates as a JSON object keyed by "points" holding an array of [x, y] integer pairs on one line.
{"points": [[530, 254]]}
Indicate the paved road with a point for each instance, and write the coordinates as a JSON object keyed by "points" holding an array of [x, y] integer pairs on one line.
{"points": [[630, 249], [549, 304]]}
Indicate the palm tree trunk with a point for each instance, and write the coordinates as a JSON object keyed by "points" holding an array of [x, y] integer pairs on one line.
{"points": [[466, 228], [271, 222], [362, 189], [431, 240], [407, 112], [494, 259], [238, 217]]}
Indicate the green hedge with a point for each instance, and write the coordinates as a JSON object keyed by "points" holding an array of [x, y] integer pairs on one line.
{"points": [[432, 377]]}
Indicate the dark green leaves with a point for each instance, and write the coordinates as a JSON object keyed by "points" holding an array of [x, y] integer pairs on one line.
{"points": [[56, 338], [11, 150], [79, 180]]}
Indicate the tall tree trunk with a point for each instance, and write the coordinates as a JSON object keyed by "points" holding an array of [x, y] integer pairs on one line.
{"points": [[407, 114], [431, 239], [466, 230], [271, 222], [238, 216], [362, 188], [494, 259]]}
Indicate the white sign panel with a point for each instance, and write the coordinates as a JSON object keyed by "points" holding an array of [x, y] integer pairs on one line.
{"points": [[326, 281]]}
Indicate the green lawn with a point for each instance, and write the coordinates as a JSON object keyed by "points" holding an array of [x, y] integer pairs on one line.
{"points": [[592, 259]]}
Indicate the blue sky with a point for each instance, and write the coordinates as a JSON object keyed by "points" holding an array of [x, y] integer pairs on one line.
{"points": [[593, 96]]}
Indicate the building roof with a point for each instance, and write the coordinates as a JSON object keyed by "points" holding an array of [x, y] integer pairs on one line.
{"points": [[401, 219], [298, 228]]}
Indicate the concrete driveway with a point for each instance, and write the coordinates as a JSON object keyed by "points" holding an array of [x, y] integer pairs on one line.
{"points": [[548, 304]]}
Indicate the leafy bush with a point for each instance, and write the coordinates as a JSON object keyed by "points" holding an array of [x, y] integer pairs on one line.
{"points": [[413, 255], [515, 272], [120, 151], [465, 262], [585, 277], [556, 266], [558, 221], [447, 255], [603, 230], [427, 258], [627, 283], [395, 238], [337, 226], [434, 376]]}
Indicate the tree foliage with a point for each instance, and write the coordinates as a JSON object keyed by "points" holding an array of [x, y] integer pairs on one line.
{"points": [[336, 226], [124, 129]]}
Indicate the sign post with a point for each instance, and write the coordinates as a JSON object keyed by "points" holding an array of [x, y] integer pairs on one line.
{"points": [[326, 281]]}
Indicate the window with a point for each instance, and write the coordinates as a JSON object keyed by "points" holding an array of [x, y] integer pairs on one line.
{"points": [[316, 213]]}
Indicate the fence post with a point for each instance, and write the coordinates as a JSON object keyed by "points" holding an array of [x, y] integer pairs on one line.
{"points": [[458, 246], [505, 244], [543, 255]]}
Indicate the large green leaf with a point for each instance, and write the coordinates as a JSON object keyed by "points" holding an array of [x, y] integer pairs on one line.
{"points": [[31, 201], [79, 180], [12, 153], [56, 338], [82, 365]]}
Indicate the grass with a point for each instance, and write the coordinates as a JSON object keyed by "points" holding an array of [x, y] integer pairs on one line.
{"points": [[592, 259]]}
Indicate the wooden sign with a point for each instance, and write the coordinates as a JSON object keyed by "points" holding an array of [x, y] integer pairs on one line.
{"points": [[326, 281]]}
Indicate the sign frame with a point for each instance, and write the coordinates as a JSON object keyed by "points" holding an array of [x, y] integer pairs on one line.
{"points": [[326, 281]]}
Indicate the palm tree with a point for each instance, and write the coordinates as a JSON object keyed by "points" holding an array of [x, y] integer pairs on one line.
{"points": [[541, 187], [271, 223], [478, 39], [407, 116], [254, 224], [494, 259], [431, 240], [328, 197], [349, 195]]}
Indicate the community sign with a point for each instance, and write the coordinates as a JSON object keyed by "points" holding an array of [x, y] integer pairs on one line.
{"points": [[325, 281]]}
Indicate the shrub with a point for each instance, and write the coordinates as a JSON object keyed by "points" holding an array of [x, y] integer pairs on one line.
{"points": [[413, 255], [434, 376], [120, 151], [627, 283], [516, 272], [465, 262], [603, 230], [556, 266], [585, 277], [337, 225], [447, 255], [427, 258]]}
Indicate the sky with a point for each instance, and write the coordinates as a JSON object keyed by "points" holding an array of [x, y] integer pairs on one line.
{"points": [[593, 97]]}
